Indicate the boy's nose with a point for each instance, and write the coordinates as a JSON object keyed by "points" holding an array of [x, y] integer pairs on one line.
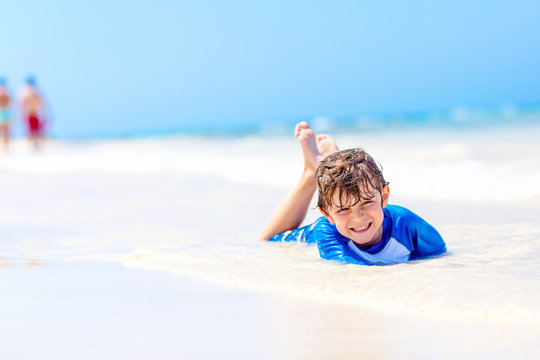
{"points": [[358, 213]]}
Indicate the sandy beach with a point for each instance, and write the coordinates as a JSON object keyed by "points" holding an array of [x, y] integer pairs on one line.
{"points": [[146, 248]]}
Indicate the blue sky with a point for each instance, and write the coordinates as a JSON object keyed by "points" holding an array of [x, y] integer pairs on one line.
{"points": [[116, 67]]}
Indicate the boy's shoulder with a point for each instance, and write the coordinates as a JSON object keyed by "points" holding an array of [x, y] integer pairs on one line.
{"points": [[414, 232]]}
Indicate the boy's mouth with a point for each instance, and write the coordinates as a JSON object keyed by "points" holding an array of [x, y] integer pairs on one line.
{"points": [[361, 229]]}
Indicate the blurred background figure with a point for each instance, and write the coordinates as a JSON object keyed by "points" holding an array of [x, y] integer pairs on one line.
{"points": [[5, 102], [33, 112]]}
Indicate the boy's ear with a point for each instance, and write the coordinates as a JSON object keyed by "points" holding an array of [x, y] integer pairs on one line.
{"points": [[385, 195], [327, 216]]}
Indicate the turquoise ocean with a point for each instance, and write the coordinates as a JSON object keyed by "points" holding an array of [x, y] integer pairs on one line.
{"points": [[457, 119]]}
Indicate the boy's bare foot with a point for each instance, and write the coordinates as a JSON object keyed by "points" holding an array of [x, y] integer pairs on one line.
{"points": [[306, 137], [326, 145]]}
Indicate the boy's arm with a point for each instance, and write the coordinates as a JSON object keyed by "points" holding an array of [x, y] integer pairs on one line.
{"points": [[296, 235], [338, 252], [427, 241], [292, 211], [422, 238], [332, 245]]}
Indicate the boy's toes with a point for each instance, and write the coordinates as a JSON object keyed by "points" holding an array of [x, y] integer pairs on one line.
{"points": [[302, 125], [321, 137], [326, 144]]}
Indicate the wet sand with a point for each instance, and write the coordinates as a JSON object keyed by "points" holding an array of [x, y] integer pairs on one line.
{"points": [[89, 310]]}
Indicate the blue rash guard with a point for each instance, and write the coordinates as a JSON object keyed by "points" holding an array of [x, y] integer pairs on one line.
{"points": [[406, 236]]}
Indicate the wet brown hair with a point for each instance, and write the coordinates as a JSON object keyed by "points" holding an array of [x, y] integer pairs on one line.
{"points": [[353, 174]]}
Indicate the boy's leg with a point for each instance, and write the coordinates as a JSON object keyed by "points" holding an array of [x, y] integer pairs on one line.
{"points": [[292, 211]]}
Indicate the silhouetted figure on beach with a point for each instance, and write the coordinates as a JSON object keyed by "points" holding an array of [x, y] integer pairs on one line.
{"points": [[5, 116], [33, 112]]}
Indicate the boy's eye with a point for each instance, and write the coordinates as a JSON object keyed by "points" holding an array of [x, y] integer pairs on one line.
{"points": [[342, 210]]}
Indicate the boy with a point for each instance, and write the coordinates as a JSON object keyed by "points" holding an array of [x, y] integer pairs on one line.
{"points": [[358, 226]]}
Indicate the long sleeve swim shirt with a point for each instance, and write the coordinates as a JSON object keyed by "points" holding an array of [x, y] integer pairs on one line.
{"points": [[405, 236]]}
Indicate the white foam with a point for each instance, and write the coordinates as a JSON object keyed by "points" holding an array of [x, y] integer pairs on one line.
{"points": [[476, 167]]}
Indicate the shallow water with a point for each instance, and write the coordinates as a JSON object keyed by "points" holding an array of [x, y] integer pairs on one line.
{"points": [[194, 206]]}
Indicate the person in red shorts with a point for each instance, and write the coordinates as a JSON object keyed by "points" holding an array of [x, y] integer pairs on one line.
{"points": [[33, 112]]}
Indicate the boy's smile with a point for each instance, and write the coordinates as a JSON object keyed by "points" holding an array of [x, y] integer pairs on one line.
{"points": [[361, 229], [362, 222]]}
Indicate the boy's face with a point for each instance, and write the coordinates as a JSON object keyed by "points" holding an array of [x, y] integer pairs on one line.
{"points": [[362, 222]]}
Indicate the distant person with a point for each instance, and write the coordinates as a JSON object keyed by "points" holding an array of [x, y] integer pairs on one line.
{"points": [[33, 112], [5, 117]]}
